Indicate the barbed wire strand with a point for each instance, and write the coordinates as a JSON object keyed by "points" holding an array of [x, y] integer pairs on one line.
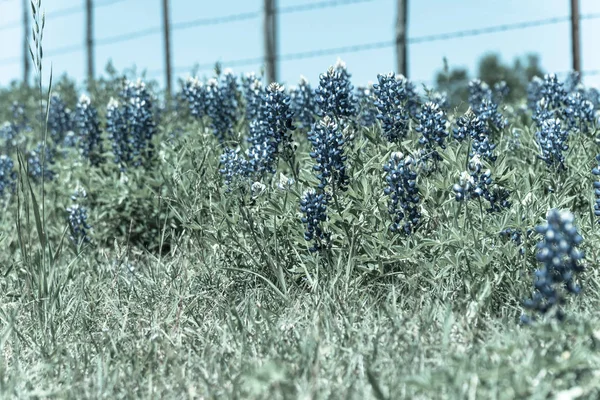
{"points": [[63, 12]]}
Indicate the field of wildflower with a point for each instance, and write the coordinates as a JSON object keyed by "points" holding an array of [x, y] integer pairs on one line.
{"points": [[243, 240]]}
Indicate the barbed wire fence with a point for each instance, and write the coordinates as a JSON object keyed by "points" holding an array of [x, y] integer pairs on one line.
{"points": [[278, 57]]}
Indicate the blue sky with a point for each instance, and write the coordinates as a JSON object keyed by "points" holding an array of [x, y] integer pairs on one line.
{"points": [[305, 31]]}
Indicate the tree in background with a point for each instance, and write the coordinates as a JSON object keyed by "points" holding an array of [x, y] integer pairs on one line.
{"points": [[491, 70]]}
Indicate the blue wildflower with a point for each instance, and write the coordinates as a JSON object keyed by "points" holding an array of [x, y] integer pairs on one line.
{"points": [[391, 99], [88, 130], [60, 121], [222, 105], [8, 176], [560, 260], [534, 92], [475, 183], [36, 167], [483, 103], [596, 172], [487, 110], [9, 133], [413, 102], [19, 116], [276, 116], [328, 152], [579, 113], [314, 207], [367, 112], [303, 103], [403, 192], [334, 96], [432, 127], [131, 125], [552, 140], [193, 95], [552, 91], [593, 95], [515, 235], [77, 218], [439, 98], [270, 134], [478, 92], [254, 94], [116, 126], [234, 168], [261, 159], [471, 126]]}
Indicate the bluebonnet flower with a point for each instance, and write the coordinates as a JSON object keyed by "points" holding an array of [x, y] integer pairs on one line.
{"points": [[552, 91], [560, 260], [482, 146], [579, 113], [15, 131], [402, 189], [498, 198], [390, 92], [222, 105], [36, 167], [276, 116], [262, 153], [77, 218], [542, 112], [596, 172], [8, 176], [142, 125], [515, 235], [481, 100], [234, 168], [439, 98], [314, 207], [478, 92], [131, 125], [88, 130], [432, 127], [593, 95], [269, 135], [19, 116], [60, 121], [303, 103], [9, 133], [552, 140], [335, 96], [116, 126], [367, 114], [475, 183], [193, 95], [413, 102], [534, 92], [514, 141], [254, 94], [328, 152], [471, 126], [487, 110]]}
